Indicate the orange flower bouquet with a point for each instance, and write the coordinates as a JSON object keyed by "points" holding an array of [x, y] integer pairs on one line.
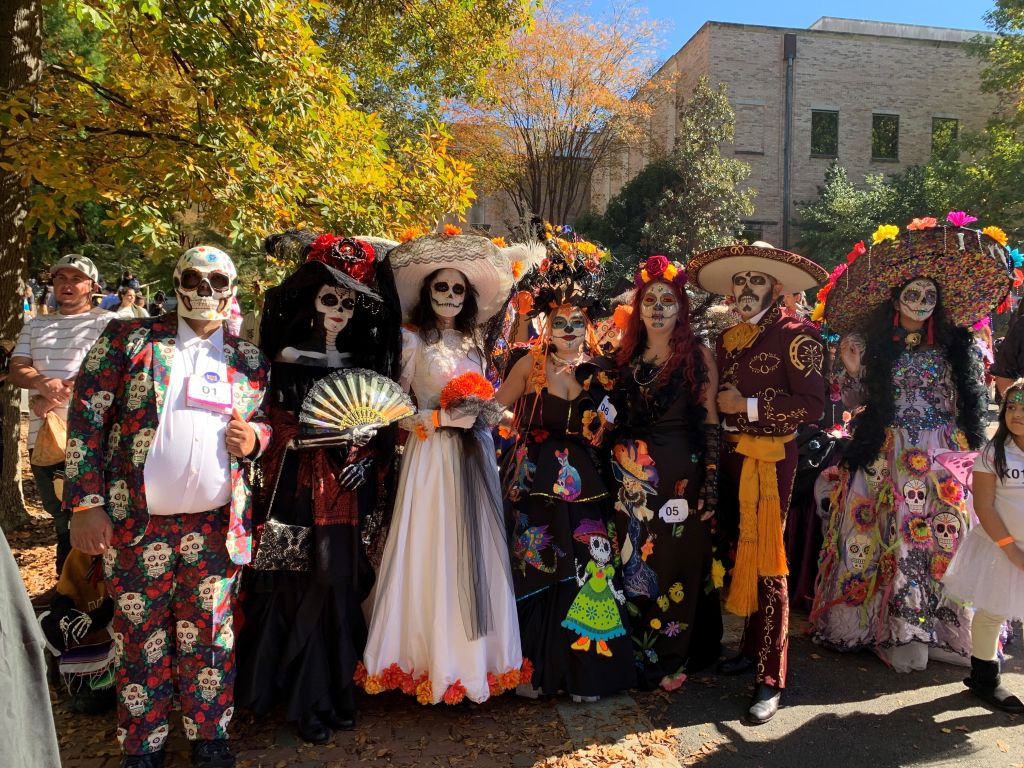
{"points": [[471, 394]]}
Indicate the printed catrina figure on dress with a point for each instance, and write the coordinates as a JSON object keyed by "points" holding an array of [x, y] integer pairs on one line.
{"points": [[770, 383], [304, 630], [443, 624], [900, 510], [159, 488], [568, 592], [665, 463]]}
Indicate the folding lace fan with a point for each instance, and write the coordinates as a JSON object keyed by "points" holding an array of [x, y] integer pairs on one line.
{"points": [[348, 400]]}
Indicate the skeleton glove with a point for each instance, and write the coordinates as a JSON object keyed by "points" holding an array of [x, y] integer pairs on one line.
{"points": [[355, 474], [707, 503]]}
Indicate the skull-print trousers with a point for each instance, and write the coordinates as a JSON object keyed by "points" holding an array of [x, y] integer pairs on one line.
{"points": [[175, 591], [766, 631]]}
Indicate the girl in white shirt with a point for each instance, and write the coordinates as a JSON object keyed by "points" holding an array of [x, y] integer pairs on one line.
{"points": [[988, 568]]}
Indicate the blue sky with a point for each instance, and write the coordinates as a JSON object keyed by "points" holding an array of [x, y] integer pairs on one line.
{"points": [[687, 16]]}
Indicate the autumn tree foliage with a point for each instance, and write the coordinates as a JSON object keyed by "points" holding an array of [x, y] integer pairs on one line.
{"points": [[230, 114], [557, 108]]}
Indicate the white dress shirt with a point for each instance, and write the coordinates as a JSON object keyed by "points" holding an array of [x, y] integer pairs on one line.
{"points": [[187, 469]]}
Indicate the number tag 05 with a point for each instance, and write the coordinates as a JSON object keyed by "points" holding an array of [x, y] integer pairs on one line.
{"points": [[674, 511]]}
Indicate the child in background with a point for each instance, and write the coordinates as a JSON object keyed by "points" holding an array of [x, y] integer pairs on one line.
{"points": [[988, 568]]}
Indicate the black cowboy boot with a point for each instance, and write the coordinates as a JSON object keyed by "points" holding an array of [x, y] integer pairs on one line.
{"points": [[985, 683]]}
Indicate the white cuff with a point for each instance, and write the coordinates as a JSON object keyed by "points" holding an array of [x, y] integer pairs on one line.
{"points": [[751, 409]]}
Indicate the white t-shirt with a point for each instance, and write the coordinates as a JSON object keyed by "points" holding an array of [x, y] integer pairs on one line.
{"points": [[187, 468], [1009, 501], [57, 344]]}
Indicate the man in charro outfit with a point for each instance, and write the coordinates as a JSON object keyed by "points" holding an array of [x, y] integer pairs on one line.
{"points": [[770, 382]]}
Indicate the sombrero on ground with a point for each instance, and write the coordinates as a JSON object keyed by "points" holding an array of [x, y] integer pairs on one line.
{"points": [[712, 270], [968, 265], [486, 266]]}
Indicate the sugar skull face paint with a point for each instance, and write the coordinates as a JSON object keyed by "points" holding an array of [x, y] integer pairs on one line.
{"points": [[335, 307], [659, 307], [568, 330], [753, 292], [918, 299], [448, 293]]}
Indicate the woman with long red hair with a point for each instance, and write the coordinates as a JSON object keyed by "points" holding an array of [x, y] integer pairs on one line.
{"points": [[664, 460]]}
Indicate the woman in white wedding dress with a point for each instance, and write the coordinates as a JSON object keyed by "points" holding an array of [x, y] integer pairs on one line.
{"points": [[444, 623]]}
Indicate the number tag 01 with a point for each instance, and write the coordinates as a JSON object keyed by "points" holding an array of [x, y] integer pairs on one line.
{"points": [[209, 392], [674, 511]]}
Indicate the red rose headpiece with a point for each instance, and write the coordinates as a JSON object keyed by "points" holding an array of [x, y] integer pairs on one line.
{"points": [[660, 268], [353, 257]]}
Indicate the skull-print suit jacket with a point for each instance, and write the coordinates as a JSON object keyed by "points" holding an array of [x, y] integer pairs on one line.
{"points": [[781, 367], [114, 413]]}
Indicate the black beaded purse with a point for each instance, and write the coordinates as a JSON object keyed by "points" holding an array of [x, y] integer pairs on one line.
{"points": [[282, 547]]}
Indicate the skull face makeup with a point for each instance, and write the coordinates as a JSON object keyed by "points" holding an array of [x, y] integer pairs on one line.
{"points": [[568, 330], [659, 307], [447, 293], [205, 281], [918, 299], [753, 292], [335, 307]]}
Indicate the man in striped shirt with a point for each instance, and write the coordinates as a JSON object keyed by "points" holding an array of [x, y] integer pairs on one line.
{"points": [[46, 360]]}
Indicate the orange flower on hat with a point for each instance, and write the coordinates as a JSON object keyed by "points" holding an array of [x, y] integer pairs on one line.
{"points": [[499, 241], [996, 234], [451, 229], [517, 270], [927, 222], [409, 233]]}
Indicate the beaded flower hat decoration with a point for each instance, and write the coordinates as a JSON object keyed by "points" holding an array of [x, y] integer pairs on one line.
{"points": [[569, 272], [970, 266]]}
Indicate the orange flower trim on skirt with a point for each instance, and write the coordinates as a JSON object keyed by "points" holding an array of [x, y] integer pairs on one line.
{"points": [[394, 678]]}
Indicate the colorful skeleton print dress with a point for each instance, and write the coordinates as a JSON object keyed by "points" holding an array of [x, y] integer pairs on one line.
{"points": [[559, 510], [665, 549], [896, 524]]}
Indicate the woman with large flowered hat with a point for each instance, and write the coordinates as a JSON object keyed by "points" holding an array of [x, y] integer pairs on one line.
{"points": [[555, 496], [900, 511], [443, 624]]}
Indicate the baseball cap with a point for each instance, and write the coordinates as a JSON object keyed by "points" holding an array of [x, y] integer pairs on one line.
{"points": [[81, 263]]}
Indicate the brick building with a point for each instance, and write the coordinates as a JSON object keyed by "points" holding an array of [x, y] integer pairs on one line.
{"points": [[868, 94]]}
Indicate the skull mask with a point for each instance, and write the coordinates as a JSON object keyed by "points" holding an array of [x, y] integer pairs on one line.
{"points": [[858, 552], [568, 330], [753, 292], [947, 530], [600, 549], [915, 492], [918, 299], [205, 281], [447, 292], [659, 307], [334, 307]]}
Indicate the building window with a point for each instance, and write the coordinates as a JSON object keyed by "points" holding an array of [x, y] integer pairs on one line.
{"points": [[824, 133], [885, 137], [945, 132], [753, 231]]}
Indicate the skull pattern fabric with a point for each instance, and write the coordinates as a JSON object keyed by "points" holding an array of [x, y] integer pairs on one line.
{"points": [[895, 527], [174, 595], [113, 418]]}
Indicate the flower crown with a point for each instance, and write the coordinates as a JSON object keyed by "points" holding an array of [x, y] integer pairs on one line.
{"points": [[570, 272], [353, 257], [660, 268]]}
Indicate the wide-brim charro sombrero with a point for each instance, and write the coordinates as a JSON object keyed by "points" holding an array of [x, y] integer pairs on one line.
{"points": [[484, 264], [969, 267], [712, 270]]}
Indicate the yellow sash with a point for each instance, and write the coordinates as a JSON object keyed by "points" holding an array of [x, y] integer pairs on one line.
{"points": [[761, 551]]}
